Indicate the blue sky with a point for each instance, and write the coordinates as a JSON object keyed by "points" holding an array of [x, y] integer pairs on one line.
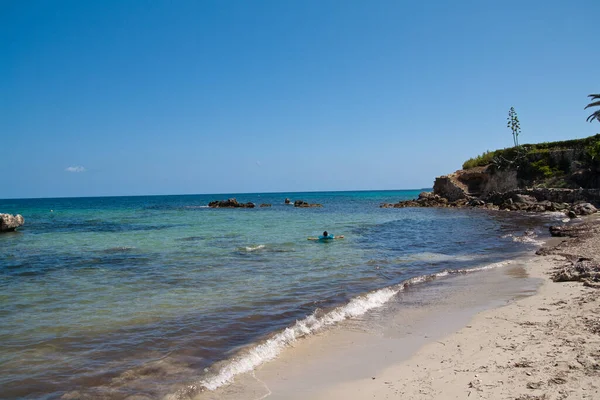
{"points": [[171, 97]]}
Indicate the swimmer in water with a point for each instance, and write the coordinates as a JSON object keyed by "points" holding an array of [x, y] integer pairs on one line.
{"points": [[326, 236]]}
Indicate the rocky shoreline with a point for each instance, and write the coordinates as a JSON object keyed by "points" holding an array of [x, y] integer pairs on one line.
{"points": [[573, 202]]}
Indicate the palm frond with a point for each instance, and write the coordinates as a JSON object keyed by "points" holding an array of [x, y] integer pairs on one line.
{"points": [[594, 104], [594, 116], [594, 96]]}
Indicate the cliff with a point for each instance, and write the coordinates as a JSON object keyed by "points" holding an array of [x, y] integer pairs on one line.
{"points": [[556, 176], [566, 164]]}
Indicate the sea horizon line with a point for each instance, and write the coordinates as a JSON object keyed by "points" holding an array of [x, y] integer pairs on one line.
{"points": [[215, 194]]}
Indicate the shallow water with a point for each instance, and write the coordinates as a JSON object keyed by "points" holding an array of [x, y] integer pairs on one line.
{"points": [[109, 297]]}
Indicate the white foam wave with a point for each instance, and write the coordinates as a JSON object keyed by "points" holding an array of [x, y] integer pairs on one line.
{"points": [[311, 324], [358, 306], [254, 248], [527, 237]]}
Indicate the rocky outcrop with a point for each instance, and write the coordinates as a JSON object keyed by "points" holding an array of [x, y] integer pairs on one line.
{"points": [[287, 201], [9, 223], [450, 188], [229, 203], [304, 204], [474, 182], [428, 199]]}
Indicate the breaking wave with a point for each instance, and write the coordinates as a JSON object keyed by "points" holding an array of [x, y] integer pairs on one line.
{"points": [[529, 237]]}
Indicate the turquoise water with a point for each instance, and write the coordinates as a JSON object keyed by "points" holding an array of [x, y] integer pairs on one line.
{"points": [[109, 297]]}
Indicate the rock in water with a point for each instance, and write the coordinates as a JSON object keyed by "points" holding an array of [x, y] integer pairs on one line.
{"points": [[9, 222], [229, 203], [304, 204]]}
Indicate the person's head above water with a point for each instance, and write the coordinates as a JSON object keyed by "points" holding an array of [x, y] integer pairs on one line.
{"points": [[325, 234]]}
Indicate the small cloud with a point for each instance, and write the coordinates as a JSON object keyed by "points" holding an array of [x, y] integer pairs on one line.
{"points": [[75, 168], [259, 163]]}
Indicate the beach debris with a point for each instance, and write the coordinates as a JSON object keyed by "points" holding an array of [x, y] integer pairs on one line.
{"points": [[569, 230], [557, 380], [530, 397], [524, 364], [582, 269], [9, 223], [592, 324], [535, 385], [229, 203]]}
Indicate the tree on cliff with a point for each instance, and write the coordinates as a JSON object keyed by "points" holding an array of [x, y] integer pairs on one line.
{"points": [[514, 125], [595, 103]]}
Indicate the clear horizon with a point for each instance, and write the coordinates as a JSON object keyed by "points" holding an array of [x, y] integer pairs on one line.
{"points": [[220, 194], [132, 99]]}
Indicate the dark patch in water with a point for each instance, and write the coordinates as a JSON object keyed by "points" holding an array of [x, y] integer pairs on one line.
{"points": [[40, 264], [59, 226], [116, 250], [191, 238]]}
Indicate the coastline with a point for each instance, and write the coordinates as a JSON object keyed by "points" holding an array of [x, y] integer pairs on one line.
{"points": [[543, 346], [539, 346]]}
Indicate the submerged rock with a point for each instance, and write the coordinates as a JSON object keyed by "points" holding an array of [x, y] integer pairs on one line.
{"points": [[9, 223], [265, 205], [287, 201], [229, 203]]}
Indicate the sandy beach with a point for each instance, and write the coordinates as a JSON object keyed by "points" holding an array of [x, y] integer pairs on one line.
{"points": [[508, 339]]}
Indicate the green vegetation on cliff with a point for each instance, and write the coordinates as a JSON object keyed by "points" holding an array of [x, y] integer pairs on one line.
{"points": [[569, 163]]}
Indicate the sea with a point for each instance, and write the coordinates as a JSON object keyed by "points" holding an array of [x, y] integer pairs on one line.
{"points": [[161, 297]]}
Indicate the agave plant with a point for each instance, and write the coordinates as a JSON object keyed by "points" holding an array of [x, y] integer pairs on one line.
{"points": [[595, 103]]}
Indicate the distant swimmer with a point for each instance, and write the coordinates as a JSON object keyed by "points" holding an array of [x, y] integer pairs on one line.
{"points": [[326, 236]]}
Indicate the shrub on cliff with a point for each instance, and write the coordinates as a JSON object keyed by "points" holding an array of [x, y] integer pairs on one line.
{"points": [[479, 161]]}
